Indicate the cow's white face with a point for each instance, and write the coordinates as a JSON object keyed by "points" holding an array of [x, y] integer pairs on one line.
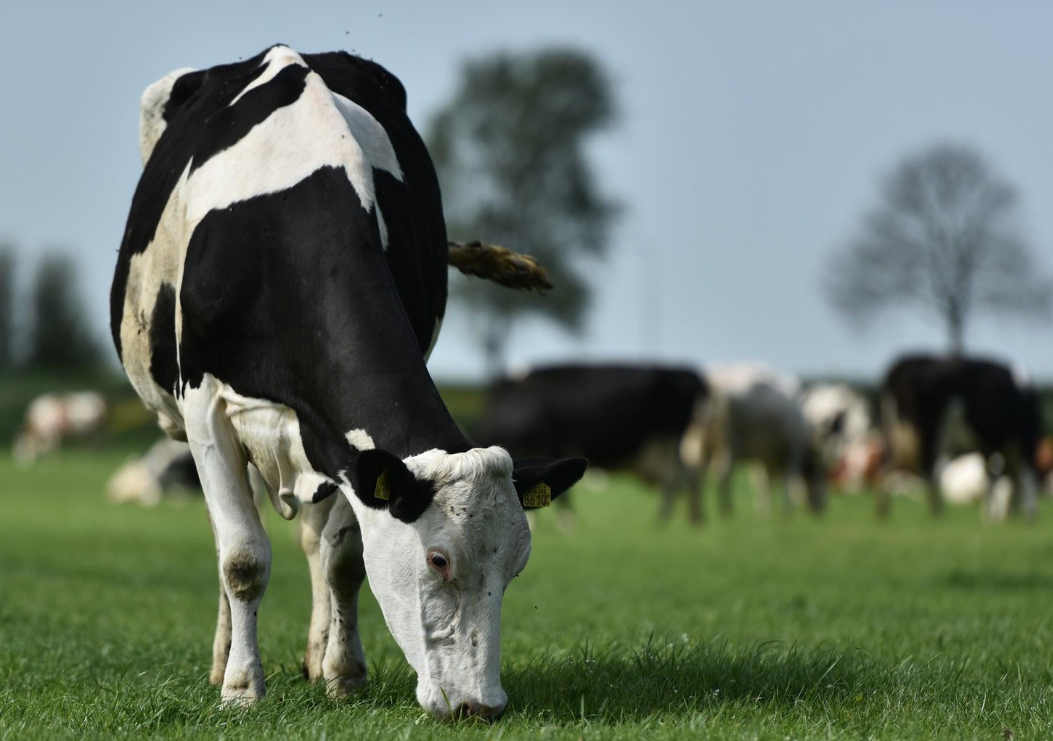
{"points": [[440, 578]]}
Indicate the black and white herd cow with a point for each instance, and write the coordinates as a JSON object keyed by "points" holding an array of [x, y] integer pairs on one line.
{"points": [[754, 416], [933, 409], [280, 284], [642, 419]]}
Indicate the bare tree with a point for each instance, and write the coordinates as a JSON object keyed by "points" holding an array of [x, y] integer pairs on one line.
{"points": [[510, 151], [944, 240]]}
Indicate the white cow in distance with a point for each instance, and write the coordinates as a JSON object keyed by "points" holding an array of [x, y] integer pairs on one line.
{"points": [[165, 467], [966, 480], [52, 418]]}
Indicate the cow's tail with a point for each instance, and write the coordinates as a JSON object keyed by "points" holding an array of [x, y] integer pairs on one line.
{"points": [[500, 265]]}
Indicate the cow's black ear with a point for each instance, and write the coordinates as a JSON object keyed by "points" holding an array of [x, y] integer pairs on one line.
{"points": [[384, 482], [540, 480]]}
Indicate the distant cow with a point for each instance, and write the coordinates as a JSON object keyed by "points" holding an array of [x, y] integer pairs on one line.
{"points": [[166, 466], [52, 418], [842, 424], [933, 409], [619, 417], [754, 415]]}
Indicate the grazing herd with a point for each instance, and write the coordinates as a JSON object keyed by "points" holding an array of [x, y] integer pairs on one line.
{"points": [[280, 285]]}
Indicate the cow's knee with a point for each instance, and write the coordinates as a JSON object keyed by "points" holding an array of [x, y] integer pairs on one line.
{"points": [[245, 575], [344, 572]]}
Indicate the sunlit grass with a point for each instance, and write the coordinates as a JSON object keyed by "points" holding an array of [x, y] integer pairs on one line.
{"points": [[769, 628]]}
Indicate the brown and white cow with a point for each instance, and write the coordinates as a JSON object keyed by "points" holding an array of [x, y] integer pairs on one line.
{"points": [[52, 418]]}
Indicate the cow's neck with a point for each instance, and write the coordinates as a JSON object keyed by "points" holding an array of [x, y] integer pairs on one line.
{"points": [[374, 378]]}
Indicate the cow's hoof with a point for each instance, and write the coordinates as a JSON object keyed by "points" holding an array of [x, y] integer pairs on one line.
{"points": [[240, 698], [242, 690], [339, 688]]}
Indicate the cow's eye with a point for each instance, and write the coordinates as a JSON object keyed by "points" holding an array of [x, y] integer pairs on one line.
{"points": [[439, 562]]}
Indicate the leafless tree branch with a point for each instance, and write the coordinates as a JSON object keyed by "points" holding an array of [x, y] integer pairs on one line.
{"points": [[943, 240]]}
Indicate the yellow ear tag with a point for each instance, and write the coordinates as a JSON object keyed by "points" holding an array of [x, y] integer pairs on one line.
{"points": [[539, 495], [382, 491]]}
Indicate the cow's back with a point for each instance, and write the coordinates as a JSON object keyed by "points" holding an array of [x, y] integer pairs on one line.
{"points": [[286, 201], [923, 394], [606, 413]]}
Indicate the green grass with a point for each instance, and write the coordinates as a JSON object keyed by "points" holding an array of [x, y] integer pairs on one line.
{"points": [[748, 629]]}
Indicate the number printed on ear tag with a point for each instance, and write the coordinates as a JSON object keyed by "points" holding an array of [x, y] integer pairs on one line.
{"points": [[539, 495], [382, 491]]}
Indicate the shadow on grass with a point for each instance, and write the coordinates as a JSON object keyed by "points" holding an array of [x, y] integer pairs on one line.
{"points": [[620, 684], [995, 581]]}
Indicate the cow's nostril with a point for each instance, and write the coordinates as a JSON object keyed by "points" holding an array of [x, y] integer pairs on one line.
{"points": [[477, 710]]}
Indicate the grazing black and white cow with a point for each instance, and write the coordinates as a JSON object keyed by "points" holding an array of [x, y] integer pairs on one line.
{"points": [[934, 408], [619, 417], [754, 416], [280, 284]]}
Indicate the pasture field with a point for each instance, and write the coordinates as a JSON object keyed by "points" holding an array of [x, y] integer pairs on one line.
{"points": [[751, 628]]}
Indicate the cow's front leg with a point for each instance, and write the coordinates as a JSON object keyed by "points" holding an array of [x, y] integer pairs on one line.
{"points": [[694, 496], [1024, 498], [934, 495], [313, 518], [221, 642], [669, 493], [244, 550], [726, 467], [344, 666]]}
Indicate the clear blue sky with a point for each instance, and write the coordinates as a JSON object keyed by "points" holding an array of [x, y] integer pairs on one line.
{"points": [[751, 141]]}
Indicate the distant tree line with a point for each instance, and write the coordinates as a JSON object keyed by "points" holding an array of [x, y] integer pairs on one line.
{"points": [[45, 328]]}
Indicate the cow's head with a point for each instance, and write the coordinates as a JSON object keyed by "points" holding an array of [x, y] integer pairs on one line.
{"points": [[443, 535]]}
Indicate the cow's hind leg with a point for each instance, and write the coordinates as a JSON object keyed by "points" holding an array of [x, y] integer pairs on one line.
{"points": [[669, 493], [726, 467], [221, 643], [244, 550], [313, 518], [693, 484], [933, 493], [1024, 498], [344, 666]]}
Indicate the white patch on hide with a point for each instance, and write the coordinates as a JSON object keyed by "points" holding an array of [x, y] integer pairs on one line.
{"points": [[161, 262], [291, 144], [275, 60], [270, 434], [370, 135], [360, 440], [151, 111]]}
